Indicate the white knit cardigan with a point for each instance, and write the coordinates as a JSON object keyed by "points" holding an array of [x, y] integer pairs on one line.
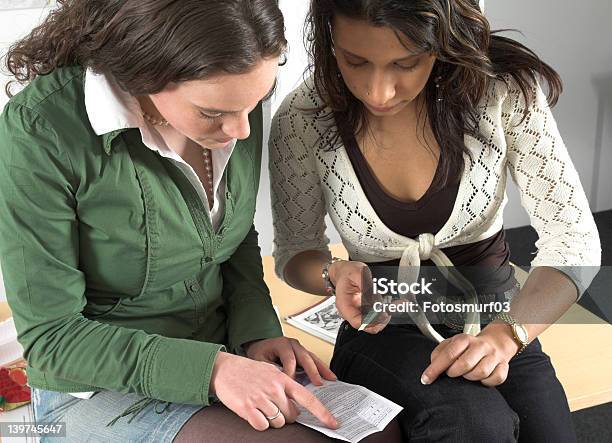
{"points": [[308, 182]]}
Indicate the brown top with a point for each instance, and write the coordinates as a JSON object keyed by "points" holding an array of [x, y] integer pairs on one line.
{"points": [[429, 214]]}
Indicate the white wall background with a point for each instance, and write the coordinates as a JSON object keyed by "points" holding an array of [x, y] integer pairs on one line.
{"points": [[574, 37], [13, 25]]}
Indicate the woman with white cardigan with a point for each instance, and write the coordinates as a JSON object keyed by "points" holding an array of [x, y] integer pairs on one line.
{"points": [[404, 135]]}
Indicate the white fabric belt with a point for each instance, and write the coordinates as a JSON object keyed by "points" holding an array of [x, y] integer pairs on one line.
{"points": [[423, 248]]}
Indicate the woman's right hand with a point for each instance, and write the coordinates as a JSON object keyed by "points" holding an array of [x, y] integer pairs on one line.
{"points": [[254, 389], [352, 279]]}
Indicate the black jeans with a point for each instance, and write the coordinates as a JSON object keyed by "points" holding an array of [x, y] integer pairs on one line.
{"points": [[530, 406]]}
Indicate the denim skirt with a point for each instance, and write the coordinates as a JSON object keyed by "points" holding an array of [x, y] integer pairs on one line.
{"points": [[103, 417]]}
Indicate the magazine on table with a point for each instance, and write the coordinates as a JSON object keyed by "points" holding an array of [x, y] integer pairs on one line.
{"points": [[321, 320]]}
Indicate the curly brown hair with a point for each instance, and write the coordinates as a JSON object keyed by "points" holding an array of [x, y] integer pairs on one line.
{"points": [[468, 57], [146, 44]]}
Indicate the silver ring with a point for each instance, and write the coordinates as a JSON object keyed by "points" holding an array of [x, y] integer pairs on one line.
{"points": [[278, 414]]}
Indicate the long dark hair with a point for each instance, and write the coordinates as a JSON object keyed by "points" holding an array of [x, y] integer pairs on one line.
{"points": [[469, 56], [146, 44]]}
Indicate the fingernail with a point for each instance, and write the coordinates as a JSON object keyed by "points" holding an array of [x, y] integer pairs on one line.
{"points": [[424, 379]]}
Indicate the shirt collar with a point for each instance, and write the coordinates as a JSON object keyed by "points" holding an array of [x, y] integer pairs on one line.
{"points": [[110, 109]]}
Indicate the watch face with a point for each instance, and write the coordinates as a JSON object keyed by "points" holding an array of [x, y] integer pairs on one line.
{"points": [[521, 333]]}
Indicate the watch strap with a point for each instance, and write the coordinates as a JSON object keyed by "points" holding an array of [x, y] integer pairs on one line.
{"points": [[329, 286], [508, 319]]}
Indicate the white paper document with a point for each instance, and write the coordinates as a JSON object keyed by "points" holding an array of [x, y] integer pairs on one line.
{"points": [[10, 349], [359, 411], [23, 414]]}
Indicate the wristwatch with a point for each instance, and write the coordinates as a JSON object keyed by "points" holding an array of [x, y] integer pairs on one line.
{"points": [[329, 286], [519, 332]]}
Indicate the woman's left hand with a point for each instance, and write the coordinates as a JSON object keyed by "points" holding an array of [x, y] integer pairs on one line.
{"points": [[290, 354], [481, 358]]}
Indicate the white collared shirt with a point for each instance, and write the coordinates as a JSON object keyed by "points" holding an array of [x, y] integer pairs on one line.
{"points": [[109, 108]]}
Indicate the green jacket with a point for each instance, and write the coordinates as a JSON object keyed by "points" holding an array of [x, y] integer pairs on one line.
{"points": [[112, 270]]}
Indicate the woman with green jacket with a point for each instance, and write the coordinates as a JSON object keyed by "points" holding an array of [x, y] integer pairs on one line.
{"points": [[129, 168]]}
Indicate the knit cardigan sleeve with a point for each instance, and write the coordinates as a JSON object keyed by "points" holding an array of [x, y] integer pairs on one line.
{"points": [[550, 189], [298, 201]]}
